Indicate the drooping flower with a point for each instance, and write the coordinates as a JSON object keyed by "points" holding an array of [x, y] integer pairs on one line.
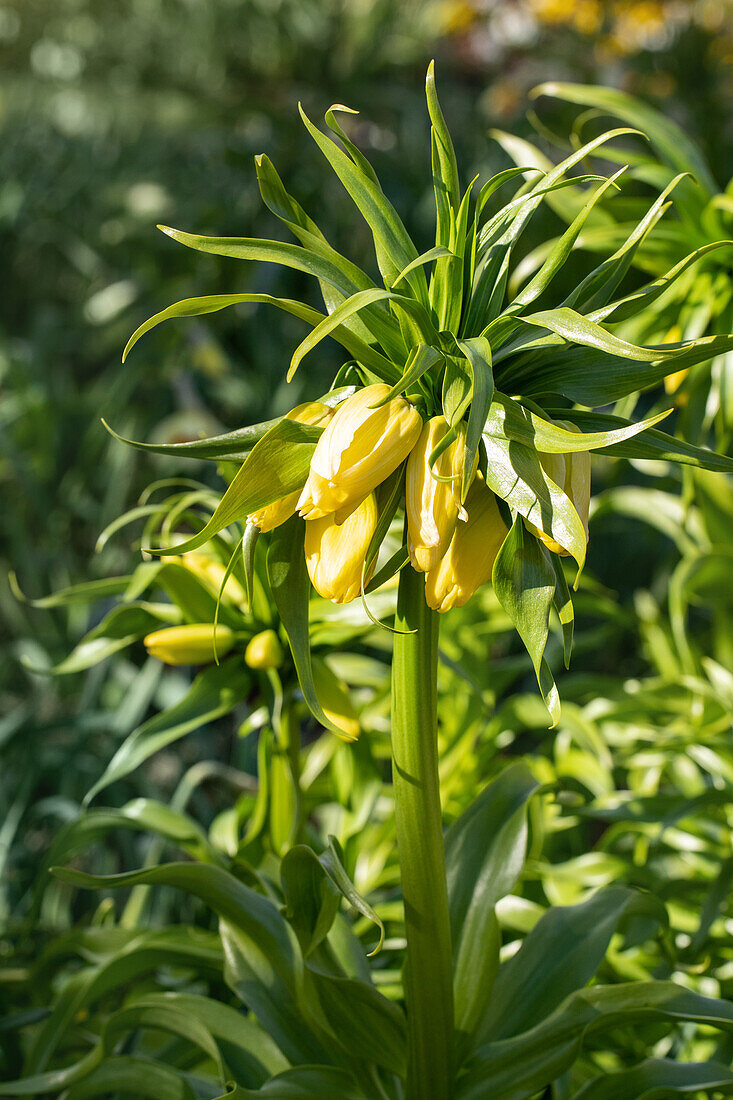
{"points": [[272, 515], [335, 553], [361, 446], [433, 495], [469, 560], [189, 645]]}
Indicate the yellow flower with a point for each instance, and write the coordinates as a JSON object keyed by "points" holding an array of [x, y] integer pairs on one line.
{"points": [[673, 381], [335, 553], [211, 572], [189, 645], [571, 473], [432, 505], [264, 650], [335, 700], [272, 515], [470, 557], [360, 447]]}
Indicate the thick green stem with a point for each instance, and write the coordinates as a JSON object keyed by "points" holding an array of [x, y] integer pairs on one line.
{"points": [[428, 969]]}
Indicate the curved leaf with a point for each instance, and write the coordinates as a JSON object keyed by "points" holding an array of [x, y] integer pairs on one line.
{"points": [[214, 693]]}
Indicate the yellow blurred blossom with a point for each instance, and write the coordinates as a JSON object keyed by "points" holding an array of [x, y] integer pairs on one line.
{"points": [[361, 446], [335, 700]]}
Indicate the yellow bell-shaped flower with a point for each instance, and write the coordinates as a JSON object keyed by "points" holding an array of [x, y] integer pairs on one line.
{"points": [[433, 503], [360, 447], [335, 553], [264, 650], [189, 645], [470, 557], [335, 700], [272, 515], [571, 473]]}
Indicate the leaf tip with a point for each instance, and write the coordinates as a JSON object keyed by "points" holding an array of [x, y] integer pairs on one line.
{"points": [[15, 587]]}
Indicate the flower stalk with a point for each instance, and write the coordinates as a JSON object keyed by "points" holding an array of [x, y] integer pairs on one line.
{"points": [[428, 978]]}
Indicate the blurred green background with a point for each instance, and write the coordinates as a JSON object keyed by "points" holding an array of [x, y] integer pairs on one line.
{"points": [[118, 114]]}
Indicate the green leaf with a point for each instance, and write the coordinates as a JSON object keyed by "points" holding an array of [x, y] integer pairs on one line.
{"points": [[477, 350], [393, 246], [508, 419], [305, 229], [641, 298], [118, 630], [247, 1049], [311, 899], [668, 140], [560, 955], [276, 998], [85, 592], [133, 1075], [275, 467], [367, 1025], [564, 607], [457, 390], [562, 249], [524, 583], [248, 911], [351, 306], [581, 330], [437, 253], [215, 447], [484, 853], [658, 1079], [598, 286], [55, 1080], [652, 444], [590, 377], [448, 165], [214, 693], [197, 307], [420, 360], [161, 1016], [514, 1069], [288, 255], [332, 862], [515, 474], [190, 948], [290, 585], [142, 814], [303, 1083]]}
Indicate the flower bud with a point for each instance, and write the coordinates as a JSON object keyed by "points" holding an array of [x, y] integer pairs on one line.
{"points": [[264, 650], [335, 700], [272, 515], [335, 553], [571, 473], [189, 645], [433, 505], [360, 447], [470, 557]]}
